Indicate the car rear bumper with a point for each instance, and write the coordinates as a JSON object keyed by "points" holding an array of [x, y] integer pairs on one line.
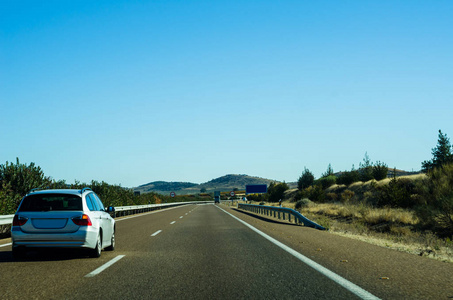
{"points": [[85, 237]]}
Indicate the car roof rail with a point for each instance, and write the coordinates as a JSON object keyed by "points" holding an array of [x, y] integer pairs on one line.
{"points": [[34, 190], [85, 189]]}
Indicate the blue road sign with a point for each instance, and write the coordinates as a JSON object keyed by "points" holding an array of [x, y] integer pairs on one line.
{"points": [[256, 189]]}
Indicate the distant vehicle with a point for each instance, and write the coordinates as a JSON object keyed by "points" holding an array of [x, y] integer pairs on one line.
{"points": [[63, 218], [216, 197]]}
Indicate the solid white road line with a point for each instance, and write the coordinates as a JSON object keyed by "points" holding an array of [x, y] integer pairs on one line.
{"points": [[6, 245], [333, 276], [156, 233], [173, 222], [104, 266]]}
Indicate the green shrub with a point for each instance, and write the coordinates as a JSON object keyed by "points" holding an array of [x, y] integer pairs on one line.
{"points": [[303, 203], [327, 181], [398, 193], [257, 197], [366, 174], [437, 209], [315, 193], [16, 180], [298, 196], [348, 177], [380, 170], [276, 191], [8, 199]]}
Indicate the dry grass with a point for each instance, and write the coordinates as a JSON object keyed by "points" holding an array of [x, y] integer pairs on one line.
{"points": [[386, 227], [381, 215], [356, 217], [369, 215], [416, 177], [359, 185]]}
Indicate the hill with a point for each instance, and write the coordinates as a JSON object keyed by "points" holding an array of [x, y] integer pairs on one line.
{"points": [[224, 184], [164, 186]]}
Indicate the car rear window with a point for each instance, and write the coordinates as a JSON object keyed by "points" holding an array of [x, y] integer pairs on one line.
{"points": [[49, 202]]}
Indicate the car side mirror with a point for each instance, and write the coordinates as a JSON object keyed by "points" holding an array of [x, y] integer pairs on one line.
{"points": [[110, 209]]}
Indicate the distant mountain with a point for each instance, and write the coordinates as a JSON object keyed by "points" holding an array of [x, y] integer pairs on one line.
{"points": [[224, 184], [232, 181], [164, 186]]}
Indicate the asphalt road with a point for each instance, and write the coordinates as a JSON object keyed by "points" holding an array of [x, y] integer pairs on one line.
{"points": [[204, 252]]}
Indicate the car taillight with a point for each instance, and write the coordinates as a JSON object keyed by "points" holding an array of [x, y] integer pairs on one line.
{"points": [[83, 220], [19, 221]]}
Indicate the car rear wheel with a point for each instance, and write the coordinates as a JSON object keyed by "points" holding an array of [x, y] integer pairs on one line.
{"points": [[112, 245], [96, 252], [18, 252]]}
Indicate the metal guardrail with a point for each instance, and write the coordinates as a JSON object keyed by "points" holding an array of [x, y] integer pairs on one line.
{"points": [[6, 219], [278, 212], [122, 210]]}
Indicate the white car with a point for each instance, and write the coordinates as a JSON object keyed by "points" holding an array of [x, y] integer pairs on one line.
{"points": [[63, 218]]}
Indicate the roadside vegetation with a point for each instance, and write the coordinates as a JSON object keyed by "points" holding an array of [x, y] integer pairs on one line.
{"points": [[17, 179], [412, 213]]}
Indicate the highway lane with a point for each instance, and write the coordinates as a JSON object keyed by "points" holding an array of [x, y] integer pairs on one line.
{"points": [[47, 274], [386, 273], [199, 251], [205, 253]]}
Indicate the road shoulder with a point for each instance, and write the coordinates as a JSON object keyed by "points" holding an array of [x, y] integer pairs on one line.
{"points": [[384, 272]]}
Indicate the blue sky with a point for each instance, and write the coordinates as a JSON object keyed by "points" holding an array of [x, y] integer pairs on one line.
{"points": [[130, 92]]}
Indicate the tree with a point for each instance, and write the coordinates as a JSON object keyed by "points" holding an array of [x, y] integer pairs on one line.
{"points": [[366, 169], [203, 190], [380, 170], [328, 172], [305, 180], [276, 191], [442, 154], [348, 177]]}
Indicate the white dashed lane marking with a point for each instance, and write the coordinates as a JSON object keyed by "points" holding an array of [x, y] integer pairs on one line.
{"points": [[156, 233], [104, 266]]}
